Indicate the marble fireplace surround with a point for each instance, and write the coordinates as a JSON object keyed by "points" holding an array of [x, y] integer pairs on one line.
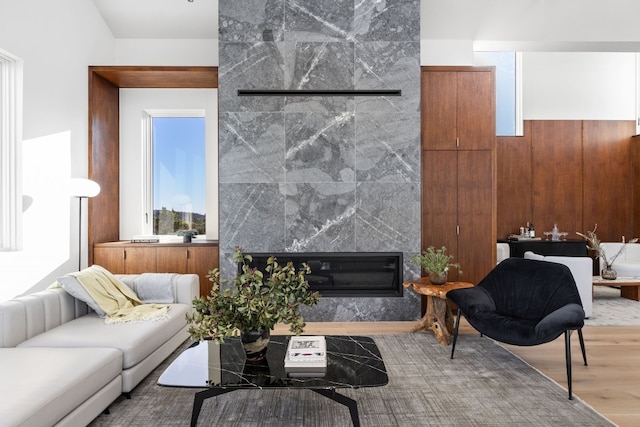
{"points": [[311, 173]]}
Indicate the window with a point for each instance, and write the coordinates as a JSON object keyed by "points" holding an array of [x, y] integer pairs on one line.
{"points": [[508, 89], [10, 138], [175, 171]]}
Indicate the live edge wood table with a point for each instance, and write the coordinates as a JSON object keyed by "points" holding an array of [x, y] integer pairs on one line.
{"points": [[629, 286], [438, 316], [352, 362]]}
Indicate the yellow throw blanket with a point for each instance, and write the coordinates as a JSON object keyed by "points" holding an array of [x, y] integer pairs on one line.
{"points": [[117, 300]]}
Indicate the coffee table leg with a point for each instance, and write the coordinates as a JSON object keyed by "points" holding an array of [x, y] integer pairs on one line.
{"points": [[200, 397], [346, 401]]}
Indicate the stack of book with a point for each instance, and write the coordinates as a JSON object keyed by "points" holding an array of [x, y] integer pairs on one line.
{"points": [[306, 356]]}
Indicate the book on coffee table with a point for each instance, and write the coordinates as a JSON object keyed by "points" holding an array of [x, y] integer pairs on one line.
{"points": [[306, 356]]}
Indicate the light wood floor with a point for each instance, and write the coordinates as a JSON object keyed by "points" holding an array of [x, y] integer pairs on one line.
{"points": [[610, 384]]}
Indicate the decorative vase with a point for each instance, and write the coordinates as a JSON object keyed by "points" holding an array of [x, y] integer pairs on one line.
{"points": [[438, 277], [255, 344], [608, 273]]}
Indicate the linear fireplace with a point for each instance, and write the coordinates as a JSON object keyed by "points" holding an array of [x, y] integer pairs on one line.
{"points": [[346, 274]]}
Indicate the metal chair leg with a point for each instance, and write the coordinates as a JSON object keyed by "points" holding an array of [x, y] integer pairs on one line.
{"points": [[567, 346], [455, 333], [584, 352]]}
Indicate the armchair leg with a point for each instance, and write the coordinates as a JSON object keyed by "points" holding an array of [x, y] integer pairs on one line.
{"points": [[455, 332], [567, 347], [584, 352]]}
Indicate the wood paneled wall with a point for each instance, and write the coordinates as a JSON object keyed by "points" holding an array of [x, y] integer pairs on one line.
{"points": [[573, 173]]}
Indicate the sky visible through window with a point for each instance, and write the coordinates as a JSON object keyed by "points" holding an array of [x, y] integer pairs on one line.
{"points": [[179, 164], [505, 63]]}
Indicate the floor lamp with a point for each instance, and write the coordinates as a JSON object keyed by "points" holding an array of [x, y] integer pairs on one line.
{"points": [[82, 188]]}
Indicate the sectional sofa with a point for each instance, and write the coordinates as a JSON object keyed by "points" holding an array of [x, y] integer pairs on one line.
{"points": [[60, 364]]}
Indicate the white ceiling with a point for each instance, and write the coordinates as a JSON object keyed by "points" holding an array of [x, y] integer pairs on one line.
{"points": [[592, 24], [160, 19]]}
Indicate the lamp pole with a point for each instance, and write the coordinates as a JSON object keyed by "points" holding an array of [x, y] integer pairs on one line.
{"points": [[82, 188]]}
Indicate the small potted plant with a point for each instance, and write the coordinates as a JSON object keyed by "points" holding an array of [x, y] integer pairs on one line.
{"points": [[436, 263], [253, 304], [593, 244]]}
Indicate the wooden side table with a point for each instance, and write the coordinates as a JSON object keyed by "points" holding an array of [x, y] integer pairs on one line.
{"points": [[438, 316], [629, 286]]}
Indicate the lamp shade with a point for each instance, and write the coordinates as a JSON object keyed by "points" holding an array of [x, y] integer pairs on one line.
{"points": [[82, 187]]}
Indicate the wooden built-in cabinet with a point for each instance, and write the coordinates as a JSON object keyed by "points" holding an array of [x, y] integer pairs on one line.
{"points": [[458, 166], [136, 258]]}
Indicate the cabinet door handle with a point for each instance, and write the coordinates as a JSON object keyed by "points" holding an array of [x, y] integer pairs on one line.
{"points": [[124, 254], [457, 141], [186, 253], [457, 230]]}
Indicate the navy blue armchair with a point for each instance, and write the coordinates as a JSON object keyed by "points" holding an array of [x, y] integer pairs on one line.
{"points": [[524, 302]]}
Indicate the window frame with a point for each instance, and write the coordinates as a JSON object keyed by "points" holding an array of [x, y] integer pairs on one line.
{"points": [[11, 87], [147, 158]]}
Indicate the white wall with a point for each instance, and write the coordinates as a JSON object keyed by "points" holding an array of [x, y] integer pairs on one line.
{"points": [[132, 104], [57, 42], [579, 86], [188, 52], [578, 60]]}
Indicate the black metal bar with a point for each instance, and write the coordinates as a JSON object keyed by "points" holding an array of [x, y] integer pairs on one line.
{"points": [[346, 401], [455, 332], [567, 346], [584, 351], [320, 92]]}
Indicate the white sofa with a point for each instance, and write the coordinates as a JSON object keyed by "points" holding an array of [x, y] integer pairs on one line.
{"points": [[60, 364], [627, 264], [582, 271]]}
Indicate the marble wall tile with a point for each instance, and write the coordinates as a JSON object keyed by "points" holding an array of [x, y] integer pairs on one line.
{"points": [[327, 65], [320, 147], [251, 147], [320, 217], [388, 217], [388, 65], [252, 217], [387, 20], [388, 147], [250, 66], [318, 20], [250, 20]]}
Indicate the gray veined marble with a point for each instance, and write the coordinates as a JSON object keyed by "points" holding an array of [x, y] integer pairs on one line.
{"points": [[251, 216], [320, 147], [388, 147], [388, 65], [250, 21], [320, 217], [318, 20], [251, 147], [387, 20], [326, 65], [387, 214], [250, 66]]}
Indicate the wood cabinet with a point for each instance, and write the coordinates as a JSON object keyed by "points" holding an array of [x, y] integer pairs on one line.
{"points": [[458, 179], [135, 258], [458, 108]]}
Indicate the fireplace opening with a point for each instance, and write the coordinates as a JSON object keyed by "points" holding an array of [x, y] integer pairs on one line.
{"points": [[346, 274]]}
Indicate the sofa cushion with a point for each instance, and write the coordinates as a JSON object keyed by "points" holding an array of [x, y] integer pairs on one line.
{"points": [[40, 386], [72, 286], [136, 340]]}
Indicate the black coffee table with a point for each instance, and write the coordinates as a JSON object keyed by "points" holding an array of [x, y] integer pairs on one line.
{"points": [[352, 362]]}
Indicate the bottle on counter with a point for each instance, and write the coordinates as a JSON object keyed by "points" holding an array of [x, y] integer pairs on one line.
{"points": [[532, 231]]}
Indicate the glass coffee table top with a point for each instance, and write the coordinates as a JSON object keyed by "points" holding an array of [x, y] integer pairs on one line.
{"points": [[352, 362]]}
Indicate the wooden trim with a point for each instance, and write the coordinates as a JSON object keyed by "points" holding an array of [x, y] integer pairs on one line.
{"points": [[104, 130]]}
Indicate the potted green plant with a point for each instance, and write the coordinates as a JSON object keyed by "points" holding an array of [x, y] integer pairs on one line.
{"points": [[253, 304], [436, 262]]}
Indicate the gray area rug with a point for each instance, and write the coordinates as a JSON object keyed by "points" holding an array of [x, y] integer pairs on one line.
{"points": [[610, 309], [485, 385]]}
